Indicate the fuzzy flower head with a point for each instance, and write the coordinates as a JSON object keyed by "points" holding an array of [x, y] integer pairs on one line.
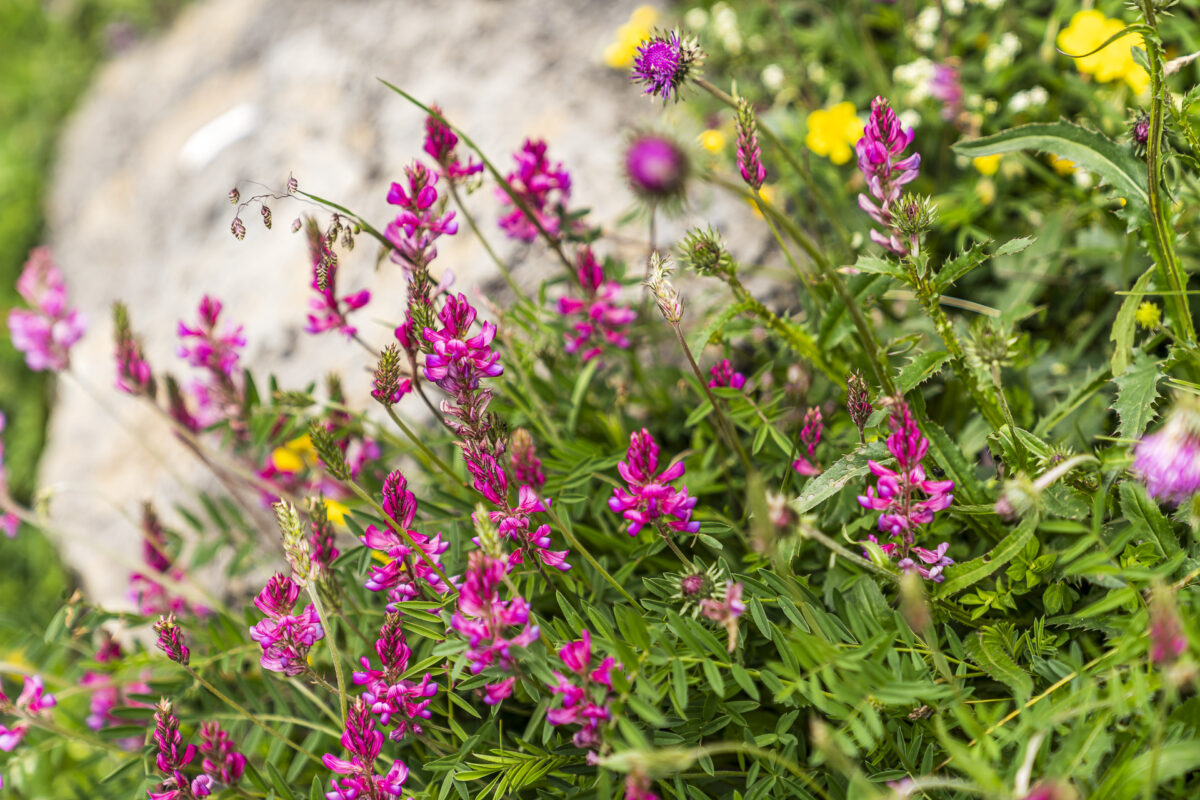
{"points": [[665, 62], [656, 168], [542, 189], [649, 496], [46, 331], [1168, 460]]}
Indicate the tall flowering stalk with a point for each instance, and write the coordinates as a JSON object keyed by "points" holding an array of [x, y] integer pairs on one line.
{"points": [[285, 637], [362, 743], [147, 593], [749, 154], [810, 437], [134, 375], [543, 189], [173, 757], [46, 331], [329, 312], [221, 761], [405, 572], [880, 159], [586, 692], [491, 626], [598, 319], [397, 701], [907, 498], [217, 352]]}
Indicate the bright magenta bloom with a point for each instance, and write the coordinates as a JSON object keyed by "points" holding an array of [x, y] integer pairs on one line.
{"points": [[543, 188], [585, 694], [46, 330], [440, 144], [218, 353], [392, 698], [363, 743], [879, 158], [421, 221], [485, 620], [598, 320], [285, 637], [329, 312], [405, 567], [650, 496], [810, 437], [222, 762], [723, 375]]}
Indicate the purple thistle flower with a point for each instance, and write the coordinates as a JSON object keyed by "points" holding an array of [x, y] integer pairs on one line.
{"points": [[723, 375], [46, 331], [749, 154], [810, 437], [599, 320], [656, 168], [1168, 460], [879, 150], [898, 493], [170, 640], [363, 743], [423, 218], [543, 189], [285, 637], [586, 693], [664, 63], [329, 312], [485, 621], [221, 761], [396, 701], [650, 497], [405, 570], [440, 144]]}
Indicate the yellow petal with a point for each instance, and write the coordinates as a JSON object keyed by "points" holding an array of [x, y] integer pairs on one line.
{"points": [[987, 165], [336, 512], [286, 459], [712, 140]]}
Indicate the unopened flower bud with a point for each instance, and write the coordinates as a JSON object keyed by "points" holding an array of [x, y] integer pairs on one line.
{"points": [[858, 401], [749, 154], [295, 543], [238, 228], [703, 250], [170, 640], [665, 295], [328, 451], [292, 185], [234, 196]]}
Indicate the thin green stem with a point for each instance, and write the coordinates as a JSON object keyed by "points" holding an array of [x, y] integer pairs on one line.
{"points": [[404, 534], [499, 262], [797, 338], [334, 653], [787, 251], [587, 556], [731, 438], [424, 448]]}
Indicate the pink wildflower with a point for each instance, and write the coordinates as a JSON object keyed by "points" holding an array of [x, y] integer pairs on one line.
{"points": [[650, 496], [586, 692], [440, 144], [946, 87], [599, 321], [810, 437], [1168, 460], [879, 151], [664, 62], [723, 375], [485, 620], [405, 567], [543, 189], [218, 353], [526, 466], [221, 762], [329, 312], [422, 219], [46, 330], [285, 637], [395, 700], [363, 743]]}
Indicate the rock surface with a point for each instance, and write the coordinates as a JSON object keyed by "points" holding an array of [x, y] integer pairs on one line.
{"points": [[255, 90]]}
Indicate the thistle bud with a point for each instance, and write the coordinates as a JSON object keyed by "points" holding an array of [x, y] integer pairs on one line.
{"points": [[656, 168], [170, 640], [703, 251], [658, 281]]}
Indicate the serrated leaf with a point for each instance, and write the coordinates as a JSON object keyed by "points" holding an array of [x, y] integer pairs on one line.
{"points": [[1147, 519], [1125, 325], [1137, 389], [990, 655], [1089, 150], [961, 576], [923, 367], [715, 325], [959, 266]]}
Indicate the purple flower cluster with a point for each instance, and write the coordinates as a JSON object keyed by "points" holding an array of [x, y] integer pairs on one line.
{"points": [[491, 626], [1168, 460], [173, 756], [285, 637], [649, 496], [810, 437], [218, 352], [328, 310], [457, 364], [724, 376], [599, 321], [222, 763], [907, 498], [749, 154], [886, 172], [405, 570], [586, 693], [169, 639], [395, 700], [363, 743], [148, 595], [543, 189], [663, 63], [422, 220], [46, 330], [440, 144], [8, 520]]}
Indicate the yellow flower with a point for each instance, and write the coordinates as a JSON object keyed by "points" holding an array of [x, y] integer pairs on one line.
{"points": [[1148, 315], [1061, 165], [619, 54], [1090, 29], [832, 132], [336, 512], [294, 455], [712, 140], [987, 165]]}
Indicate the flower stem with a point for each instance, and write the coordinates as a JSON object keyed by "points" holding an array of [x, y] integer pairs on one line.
{"points": [[578, 546], [334, 654], [424, 448], [723, 424], [499, 262]]}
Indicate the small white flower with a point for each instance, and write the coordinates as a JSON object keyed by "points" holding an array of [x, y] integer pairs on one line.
{"points": [[773, 77]]}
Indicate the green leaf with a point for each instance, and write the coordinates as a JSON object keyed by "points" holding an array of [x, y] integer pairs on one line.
{"points": [[846, 469], [1089, 150], [714, 677], [577, 394], [1124, 326], [714, 326], [956, 268], [961, 576], [986, 650], [1137, 389], [923, 367], [874, 265], [1147, 519]]}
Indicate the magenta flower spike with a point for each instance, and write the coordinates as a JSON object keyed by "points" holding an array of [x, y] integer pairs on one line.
{"points": [[749, 154], [650, 496], [810, 437], [523, 458], [598, 320], [362, 743], [422, 219], [285, 637], [440, 144], [724, 375], [328, 311], [46, 331], [543, 189], [172, 757], [880, 159], [395, 700], [405, 570], [222, 763], [586, 692]]}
